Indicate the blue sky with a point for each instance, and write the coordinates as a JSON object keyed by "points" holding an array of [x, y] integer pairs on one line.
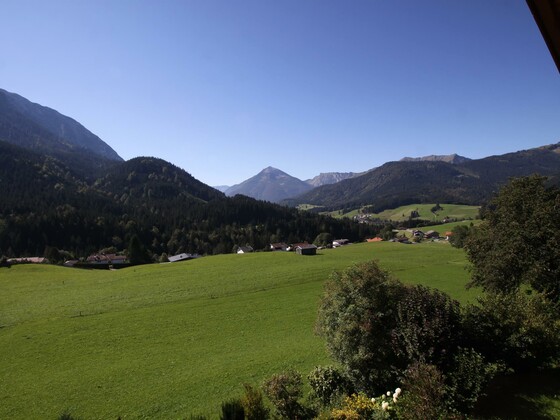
{"points": [[226, 88]]}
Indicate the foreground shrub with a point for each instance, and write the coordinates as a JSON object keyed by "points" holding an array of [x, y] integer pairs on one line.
{"points": [[284, 391], [232, 410], [424, 394], [466, 380], [518, 330], [428, 327], [375, 326], [253, 404], [328, 384], [356, 317]]}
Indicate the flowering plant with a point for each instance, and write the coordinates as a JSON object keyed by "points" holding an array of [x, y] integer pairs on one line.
{"points": [[361, 407]]}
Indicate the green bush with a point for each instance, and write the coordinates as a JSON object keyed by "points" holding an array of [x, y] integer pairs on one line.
{"points": [[423, 394], [375, 326], [466, 380], [253, 404], [328, 384], [428, 327], [357, 315], [284, 391], [518, 329], [232, 410]]}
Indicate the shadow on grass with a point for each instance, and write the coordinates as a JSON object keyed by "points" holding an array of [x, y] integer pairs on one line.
{"points": [[521, 396]]}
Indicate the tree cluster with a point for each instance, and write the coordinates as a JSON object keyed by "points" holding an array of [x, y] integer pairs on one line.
{"points": [[383, 332]]}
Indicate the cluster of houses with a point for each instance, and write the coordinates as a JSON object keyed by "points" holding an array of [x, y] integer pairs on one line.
{"points": [[301, 248], [100, 260]]}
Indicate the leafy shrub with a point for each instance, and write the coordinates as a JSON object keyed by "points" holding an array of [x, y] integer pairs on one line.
{"points": [[356, 316], [253, 404], [232, 410], [424, 394], [428, 327], [328, 384], [375, 326], [459, 236], [517, 329], [466, 380], [284, 391]]}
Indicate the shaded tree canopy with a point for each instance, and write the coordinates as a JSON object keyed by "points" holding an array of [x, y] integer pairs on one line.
{"points": [[518, 242]]}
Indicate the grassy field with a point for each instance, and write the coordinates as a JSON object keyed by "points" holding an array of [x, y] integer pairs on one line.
{"points": [[167, 341], [452, 211]]}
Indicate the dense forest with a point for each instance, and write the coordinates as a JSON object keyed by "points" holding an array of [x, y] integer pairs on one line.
{"points": [[47, 205]]}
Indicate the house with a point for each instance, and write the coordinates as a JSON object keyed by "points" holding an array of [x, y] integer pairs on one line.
{"points": [[28, 260], [432, 234], [340, 242], [448, 234], [418, 233], [305, 249], [244, 249], [279, 246], [376, 239], [106, 259], [181, 257]]}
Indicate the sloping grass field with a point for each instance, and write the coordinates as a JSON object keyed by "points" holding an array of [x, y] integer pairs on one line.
{"points": [[171, 340], [400, 214]]}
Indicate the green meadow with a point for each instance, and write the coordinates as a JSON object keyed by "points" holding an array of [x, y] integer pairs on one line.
{"points": [[171, 340], [400, 214]]}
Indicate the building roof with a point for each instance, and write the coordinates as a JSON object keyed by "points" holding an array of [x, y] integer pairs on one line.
{"points": [[305, 246], [547, 16]]}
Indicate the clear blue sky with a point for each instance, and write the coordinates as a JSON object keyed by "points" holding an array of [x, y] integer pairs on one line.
{"points": [[226, 88]]}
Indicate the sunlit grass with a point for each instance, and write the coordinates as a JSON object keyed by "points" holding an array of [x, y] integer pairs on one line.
{"points": [[165, 341]]}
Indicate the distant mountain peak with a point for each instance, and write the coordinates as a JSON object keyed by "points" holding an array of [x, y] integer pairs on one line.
{"points": [[270, 184], [453, 158]]}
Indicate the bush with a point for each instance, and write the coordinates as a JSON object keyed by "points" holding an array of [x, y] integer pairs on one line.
{"points": [[232, 410], [424, 394], [253, 404], [284, 391], [328, 384], [356, 316], [466, 380], [428, 327], [460, 234], [376, 326], [519, 330]]}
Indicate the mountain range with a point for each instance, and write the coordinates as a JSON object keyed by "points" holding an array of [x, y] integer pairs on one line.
{"points": [[274, 185], [66, 193], [63, 187], [430, 179]]}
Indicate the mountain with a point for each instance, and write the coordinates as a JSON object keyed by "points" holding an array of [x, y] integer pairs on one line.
{"points": [[270, 184], [222, 188], [48, 208], [454, 159], [330, 178], [431, 181], [35, 127]]}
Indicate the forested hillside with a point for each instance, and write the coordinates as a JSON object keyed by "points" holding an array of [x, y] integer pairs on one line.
{"points": [[47, 205], [399, 183]]}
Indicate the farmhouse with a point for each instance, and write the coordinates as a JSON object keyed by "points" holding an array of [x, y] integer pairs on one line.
{"points": [[181, 257], [279, 246], [340, 242], [305, 249], [432, 234], [106, 259], [244, 249], [28, 260], [376, 239]]}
